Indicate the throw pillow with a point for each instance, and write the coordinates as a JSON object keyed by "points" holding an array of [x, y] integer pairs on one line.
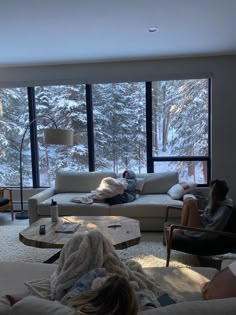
{"points": [[139, 185], [39, 287], [179, 190], [222, 285]]}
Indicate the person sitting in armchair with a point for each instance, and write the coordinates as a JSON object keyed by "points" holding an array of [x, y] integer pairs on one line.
{"points": [[215, 216]]}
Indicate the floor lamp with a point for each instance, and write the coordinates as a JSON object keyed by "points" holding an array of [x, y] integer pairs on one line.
{"points": [[54, 136]]}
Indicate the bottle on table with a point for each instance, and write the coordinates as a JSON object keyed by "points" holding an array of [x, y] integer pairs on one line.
{"points": [[54, 211]]}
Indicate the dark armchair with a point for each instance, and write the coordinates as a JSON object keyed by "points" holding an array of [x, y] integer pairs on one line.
{"points": [[214, 242], [6, 201]]}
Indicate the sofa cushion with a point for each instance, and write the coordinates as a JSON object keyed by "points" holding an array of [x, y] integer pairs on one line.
{"points": [[139, 183], [67, 207], [214, 307], [71, 181], [149, 205], [36, 306], [183, 281], [14, 274], [223, 284], [159, 183]]}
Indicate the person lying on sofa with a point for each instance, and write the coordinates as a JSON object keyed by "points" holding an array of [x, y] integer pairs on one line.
{"points": [[214, 217], [91, 279], [129, 193], [115, 296], [88, 260]]}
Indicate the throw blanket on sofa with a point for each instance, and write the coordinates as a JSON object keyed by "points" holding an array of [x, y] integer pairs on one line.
{"points": [[85, 252], [109, 187]]}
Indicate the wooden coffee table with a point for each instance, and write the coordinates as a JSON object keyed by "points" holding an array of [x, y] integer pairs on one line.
{"points": [[126, 235]]}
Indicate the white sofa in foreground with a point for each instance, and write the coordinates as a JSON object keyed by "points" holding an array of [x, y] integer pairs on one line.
{"points": [[183, 281], [149, 208]]}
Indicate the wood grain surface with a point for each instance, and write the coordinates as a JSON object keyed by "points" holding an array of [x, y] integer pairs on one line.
{"points": [[128, 234]]}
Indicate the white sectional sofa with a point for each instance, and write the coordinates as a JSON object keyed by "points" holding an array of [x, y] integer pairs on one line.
{"points": [[149, 208], [182, 281]]}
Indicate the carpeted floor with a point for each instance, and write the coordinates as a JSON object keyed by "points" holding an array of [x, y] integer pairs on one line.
{"points": [[149, 253]]}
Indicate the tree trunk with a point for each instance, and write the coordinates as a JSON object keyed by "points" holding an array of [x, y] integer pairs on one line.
{"points": [[154, 117]]}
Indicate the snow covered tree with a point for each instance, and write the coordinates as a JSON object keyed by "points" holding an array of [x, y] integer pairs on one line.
{"points": [[13, 114], [119, 125], [180, 110]]}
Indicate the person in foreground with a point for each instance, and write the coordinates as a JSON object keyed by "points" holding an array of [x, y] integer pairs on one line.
{"points": [[215, 216], [90, 278], [115, 296], [89, 268]]}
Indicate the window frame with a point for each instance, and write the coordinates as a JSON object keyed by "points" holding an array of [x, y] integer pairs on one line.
{"points": [[152, 159]]}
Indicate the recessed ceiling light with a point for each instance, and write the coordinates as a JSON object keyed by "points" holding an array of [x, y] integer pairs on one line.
{"points": [[153, 29]]}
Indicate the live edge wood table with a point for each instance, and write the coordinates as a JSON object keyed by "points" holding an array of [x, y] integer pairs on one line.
{"points": [[123, 236]]}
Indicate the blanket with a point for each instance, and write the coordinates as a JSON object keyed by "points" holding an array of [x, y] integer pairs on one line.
{"points": [[109, 187], [85, 252]]}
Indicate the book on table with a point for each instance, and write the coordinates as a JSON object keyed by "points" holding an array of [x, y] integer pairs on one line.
{"points": [[68, 227]]}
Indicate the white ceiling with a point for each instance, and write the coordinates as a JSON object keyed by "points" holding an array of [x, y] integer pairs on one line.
{"points": [[72, 31]]}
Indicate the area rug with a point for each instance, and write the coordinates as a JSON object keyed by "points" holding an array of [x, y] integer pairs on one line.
{"points": [[150, 252]]}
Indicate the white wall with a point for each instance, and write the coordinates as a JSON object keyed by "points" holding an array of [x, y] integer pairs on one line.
{"points": [[221, 69]]}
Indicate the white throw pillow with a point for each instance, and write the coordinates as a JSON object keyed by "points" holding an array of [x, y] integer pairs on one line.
{"points": [[139, 184], [179, 190]]}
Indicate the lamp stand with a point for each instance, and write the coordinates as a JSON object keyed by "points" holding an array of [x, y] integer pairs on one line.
{"points": [[23, 214], [52, 136]]}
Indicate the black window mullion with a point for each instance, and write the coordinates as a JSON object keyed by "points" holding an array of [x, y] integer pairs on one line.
{"points": [[90, 132], [33, 137], [209, 133], [150, 165], [180, 158]]}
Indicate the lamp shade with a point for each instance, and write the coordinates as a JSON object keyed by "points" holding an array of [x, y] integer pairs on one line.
{"points": [[58, 136]]}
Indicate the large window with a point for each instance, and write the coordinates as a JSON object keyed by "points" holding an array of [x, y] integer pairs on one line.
{"points": [[180, 134], [145, 126], [67, 106], [13, 118], [120, 126]]}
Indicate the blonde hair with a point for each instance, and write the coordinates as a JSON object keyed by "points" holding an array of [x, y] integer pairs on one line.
{"points": [[114, 297]]}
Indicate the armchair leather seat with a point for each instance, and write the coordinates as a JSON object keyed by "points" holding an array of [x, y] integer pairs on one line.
{"points": [[6, 201], [202, 247], [3, 201], [213, 243]]}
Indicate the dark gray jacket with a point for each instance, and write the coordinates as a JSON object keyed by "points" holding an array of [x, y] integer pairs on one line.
{"points": [[216, 221]]}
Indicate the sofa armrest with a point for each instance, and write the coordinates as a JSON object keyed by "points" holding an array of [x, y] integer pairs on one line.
{"points": [[189, 196], [35, 200], [216, 307], [204, 230]]}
